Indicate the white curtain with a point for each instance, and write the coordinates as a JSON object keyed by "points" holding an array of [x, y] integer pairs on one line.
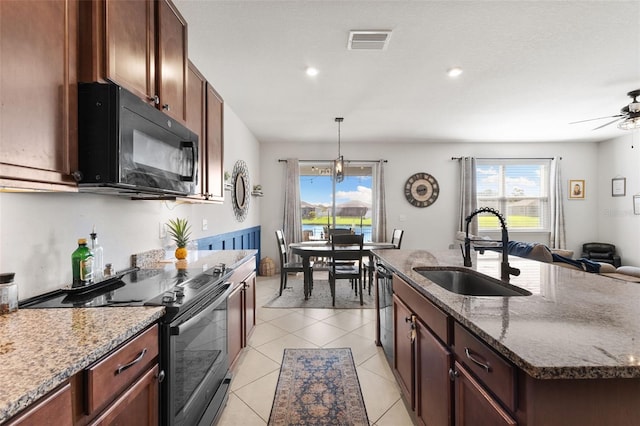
{"points": [[468, 199], [379, 228], [292, 221], [557, 237]]}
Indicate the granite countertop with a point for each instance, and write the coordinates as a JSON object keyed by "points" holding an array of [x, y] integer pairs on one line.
{"points": [[574, 325], [41, 348]]}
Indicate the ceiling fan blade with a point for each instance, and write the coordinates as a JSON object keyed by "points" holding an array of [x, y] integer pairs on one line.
{"points": [[611, 122], [599, 118]]}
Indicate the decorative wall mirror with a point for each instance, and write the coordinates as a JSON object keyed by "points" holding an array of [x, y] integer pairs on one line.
{"points": [[240, 193]]}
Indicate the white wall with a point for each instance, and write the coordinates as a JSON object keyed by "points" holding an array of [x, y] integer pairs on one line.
{"points": [[39, 231], [433, 227], [617, 222]]}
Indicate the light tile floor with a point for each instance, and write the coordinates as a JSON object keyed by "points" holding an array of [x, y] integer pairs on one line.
{"points": [[255, 375]]}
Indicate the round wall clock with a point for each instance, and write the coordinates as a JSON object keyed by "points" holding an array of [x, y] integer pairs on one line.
{"points": [[240, 194], [421, 189]]}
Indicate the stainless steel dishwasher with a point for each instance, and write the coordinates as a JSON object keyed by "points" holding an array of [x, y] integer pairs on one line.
{"points": [[384, 290]]}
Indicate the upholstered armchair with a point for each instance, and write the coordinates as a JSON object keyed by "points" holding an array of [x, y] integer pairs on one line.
{"points": [[601, 252]]}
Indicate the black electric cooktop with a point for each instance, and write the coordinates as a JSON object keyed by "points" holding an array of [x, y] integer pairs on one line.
{"points": [[176, 290]]}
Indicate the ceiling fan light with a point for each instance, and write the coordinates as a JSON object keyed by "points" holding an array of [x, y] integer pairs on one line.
{"points": [[629, 124]]}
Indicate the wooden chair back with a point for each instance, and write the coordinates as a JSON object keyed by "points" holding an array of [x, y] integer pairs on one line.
{"points": [[396, 238]]}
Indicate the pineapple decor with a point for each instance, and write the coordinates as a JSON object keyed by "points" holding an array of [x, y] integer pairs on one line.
{"points": [[180, 231]]}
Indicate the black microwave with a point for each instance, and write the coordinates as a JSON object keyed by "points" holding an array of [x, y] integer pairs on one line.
{"points": [[128, 147]]}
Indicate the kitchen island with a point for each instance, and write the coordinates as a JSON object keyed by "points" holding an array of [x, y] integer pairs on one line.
{"points": [[571, 348]]}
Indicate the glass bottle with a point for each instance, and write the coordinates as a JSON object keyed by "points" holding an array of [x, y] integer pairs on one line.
{"points": [[98, 259], [82, 264]]}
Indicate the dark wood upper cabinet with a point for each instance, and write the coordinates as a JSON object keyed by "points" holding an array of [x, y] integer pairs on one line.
{"points": [[38, 79], [172, 60], [196, 110], [140, 45], [215, 145], [204, 115]]}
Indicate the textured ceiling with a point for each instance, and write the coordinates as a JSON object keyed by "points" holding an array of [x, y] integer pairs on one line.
{"points": [[530, 68]]}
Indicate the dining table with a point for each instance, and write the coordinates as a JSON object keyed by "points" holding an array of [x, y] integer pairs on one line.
{"points": [[308, 249]]}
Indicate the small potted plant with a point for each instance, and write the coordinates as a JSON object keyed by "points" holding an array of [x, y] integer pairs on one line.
{"points": [[180, 231]]}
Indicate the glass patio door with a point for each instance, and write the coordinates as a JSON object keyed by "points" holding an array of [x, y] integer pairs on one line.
{"points": [[326, 203]]}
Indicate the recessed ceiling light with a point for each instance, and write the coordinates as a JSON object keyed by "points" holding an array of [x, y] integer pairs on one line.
{"points": [[312, 72], [454, 72]]}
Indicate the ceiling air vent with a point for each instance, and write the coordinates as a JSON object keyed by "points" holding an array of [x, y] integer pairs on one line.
{"points": [[368, 40]]}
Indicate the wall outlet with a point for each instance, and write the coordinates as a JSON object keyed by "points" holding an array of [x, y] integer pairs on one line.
{"points": [[205, 224], [162, 231]]}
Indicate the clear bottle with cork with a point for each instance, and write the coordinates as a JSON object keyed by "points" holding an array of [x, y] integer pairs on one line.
{"points": [[82, 264], [98, 257]]}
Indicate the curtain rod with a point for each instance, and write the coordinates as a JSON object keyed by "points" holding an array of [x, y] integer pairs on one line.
{"points": [[329, 161], [508, 158]]}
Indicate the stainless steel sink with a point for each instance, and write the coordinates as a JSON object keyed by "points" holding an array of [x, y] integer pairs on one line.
{"points": [[470, 283]]}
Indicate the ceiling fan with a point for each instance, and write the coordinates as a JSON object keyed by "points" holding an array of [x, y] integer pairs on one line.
{"points": [[629, 117]]}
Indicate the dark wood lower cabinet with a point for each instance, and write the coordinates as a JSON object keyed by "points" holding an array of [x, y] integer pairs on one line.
{"points": [[474, 406], [138, 405], [433, 385], [241, 307], [54, 409], [403, 356]]}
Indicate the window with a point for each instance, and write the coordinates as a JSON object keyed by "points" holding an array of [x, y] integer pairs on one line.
{"points": [[517, 188], [326, 203]]}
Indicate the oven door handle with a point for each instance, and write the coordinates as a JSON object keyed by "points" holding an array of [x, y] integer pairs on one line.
{"points": [[176, 330]]}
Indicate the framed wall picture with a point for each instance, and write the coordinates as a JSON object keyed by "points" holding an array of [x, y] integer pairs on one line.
{"points": [[636, 204], [618, 187], [576, 189]]}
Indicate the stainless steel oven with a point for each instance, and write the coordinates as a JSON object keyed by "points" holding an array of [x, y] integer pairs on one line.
{"points": [[197, 362]]}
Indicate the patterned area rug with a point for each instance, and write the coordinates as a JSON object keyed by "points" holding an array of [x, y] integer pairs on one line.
{"points": [[318, 387], [293, 295]]}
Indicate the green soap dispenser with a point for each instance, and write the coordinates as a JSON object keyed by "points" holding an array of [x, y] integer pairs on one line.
{"points": [[82, 264]]}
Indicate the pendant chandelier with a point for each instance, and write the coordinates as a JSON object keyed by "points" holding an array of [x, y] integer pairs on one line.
{"points": [[338, 164]]}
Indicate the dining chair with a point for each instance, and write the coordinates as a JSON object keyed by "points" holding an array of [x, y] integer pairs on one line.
{"points": [[369, 267], [346, 264], [287, 267]]}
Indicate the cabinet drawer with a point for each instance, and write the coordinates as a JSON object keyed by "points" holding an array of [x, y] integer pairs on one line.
{"points": [[497, 373], [430, 314], [111, 375]]}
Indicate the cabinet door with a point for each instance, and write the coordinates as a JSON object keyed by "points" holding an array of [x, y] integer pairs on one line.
{"points": [[214, 145], [38, 83], [196, 86], [172, 60], [433, 384], [130, 45], [403, 355], [473, 405], [138, 405], [53, 409], [249, 306], [234, 323]]}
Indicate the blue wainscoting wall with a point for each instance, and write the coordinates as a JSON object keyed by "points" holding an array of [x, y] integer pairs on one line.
{"points": [[242, 239]]}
